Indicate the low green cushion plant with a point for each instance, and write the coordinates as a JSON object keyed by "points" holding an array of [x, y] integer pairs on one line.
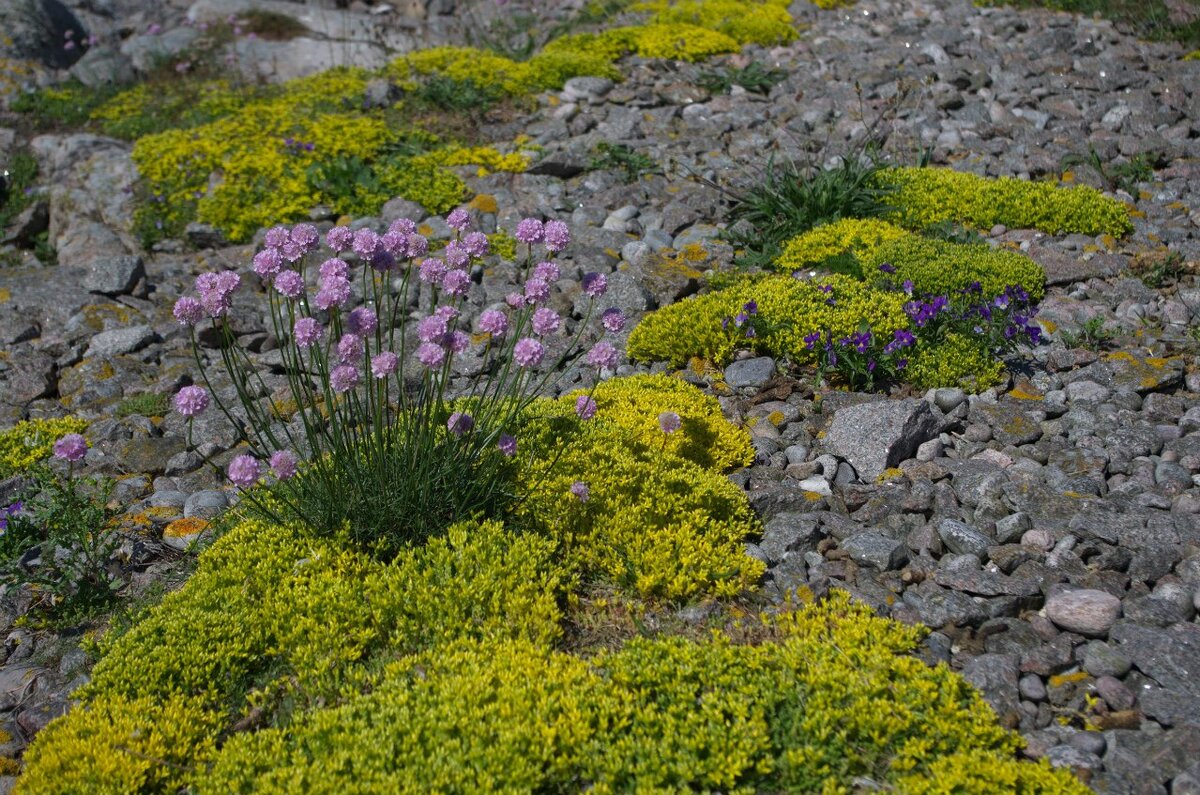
{"points": [[939, 267], [860, 237], [923, 197]]}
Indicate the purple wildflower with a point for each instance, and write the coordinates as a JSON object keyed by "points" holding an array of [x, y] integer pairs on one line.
{"points": [[460, 423], [536, 291], [547, 271], [585, 407], [334, 268], [418, 245], [395, 243], [403, 226], [343, 378], [333, 293], [595, 284], [530, 230], [528, 352], [306, 332], [431, 354], [457, 282], [545, 321], [366, 243], [476, 244], [384, 364], [71, 447], [244, 471], [340, 238], [191, 401], [581, 490], [603, 355], [350, 348], [432, 270], [888, 268], [458, 220], [290, 284], [362, 321], [455, 255], [291, 251], [306, 236], [612, 320], [267, 262], [507, 445], [557, 236], [459, 341], [432, 328], [515, 300], [669, 422], [188, 311], [283, 464], [494, 322]]}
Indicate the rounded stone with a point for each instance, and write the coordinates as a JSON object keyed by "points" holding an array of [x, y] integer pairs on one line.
{"points": [[205, 504], [1086, 611], [750, 372]]}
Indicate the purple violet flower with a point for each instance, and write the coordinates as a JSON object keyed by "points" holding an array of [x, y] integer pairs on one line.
{"points": [[669, 422], [612, 320], [494, 322], [344, 377], [188, 311], [306, 332], [545, 321], [595, 284], [507, 445]]}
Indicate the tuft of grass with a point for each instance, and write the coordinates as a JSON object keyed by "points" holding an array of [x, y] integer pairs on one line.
{"points": [[457, 96], [953, 232], [22, 171], [791, 199], [1092, 335], [754, 77], [1160, 269], [147, 404], [1148, 19], [271, 25], [1123, 176], [66, 106], [618, 157]]}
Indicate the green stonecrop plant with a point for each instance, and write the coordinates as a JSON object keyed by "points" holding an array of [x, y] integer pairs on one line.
{"points": [[30, 442]]}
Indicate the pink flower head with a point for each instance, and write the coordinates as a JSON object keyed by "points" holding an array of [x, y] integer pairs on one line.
{"points": [[669, 422], [362, 321], [432, 270], [457, 282], [267, 262], [528, 352], [476, 244], [188, 311], [494, 322], [603, 355], [536, 291], [350, 348], [402, 226], [460, 423], [557, 236], [277, 236], [366, 243], [215, 303], [547, 272], [458, 220], [418, 245], [581, 490], [340, 238], [515, 300], [333, 293], [585, 407], [291, 251], [612, 320], [384, 364], [459, 341], [545, 321], [431, 354], [191, 401], [283, 464], [432, 328], [395, 243], [529, 230], [228, 282], [343, 378], [71, 447], [306, 236], [455, 255], [507, 445], [306, 332], [383, 260], [207, 283], [153, 29], [290, 284], [595, 284], [334, 268], [244, 471], [446, 313]]}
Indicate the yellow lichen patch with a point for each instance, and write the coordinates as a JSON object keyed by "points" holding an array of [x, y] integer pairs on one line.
{"points": [[484, 202], [182, 528], [1059, 680], [5, 295], [893, 473], [1025, 391]]}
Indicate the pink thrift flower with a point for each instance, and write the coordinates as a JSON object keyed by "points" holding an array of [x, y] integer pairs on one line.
{"points": [[446, 313], [383, 260], [228, 282], [528, 352], [432, 271], [244, 471], [207, 283], [396, 243], [515, 300], [545, 321], [455, 255], [334, 268], [507, 445], [536, 291], [71, 447], [547, 272], [384, 364], [529, 231], [612, 320], [460, 423], [366, 243], [432, 328], [669, 422], [306, 236], [458, 220], [350, 348], [476, 244], [418, 245], [402, 226], [340, 238], [343, 378], [430, 354], [362, 321], [459, 341], [581, 490], [334, 292], [283, 464], [595, 284], [277, 236], [557, 236], [457, 282], [191, 401], [267, 262], [603, 355], [585, 407], [494, 322], [290, 284], [188, 311], [215, 303], [291, 251], [306, 332]]}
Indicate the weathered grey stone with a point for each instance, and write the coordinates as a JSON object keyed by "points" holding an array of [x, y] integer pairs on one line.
{"points": [[205, 505], [750, 372], [1086, 611], [114, 276], [995, 675], [1169, 656], [876, 549], [120, 341], [963, 539], [101, 67], [878, 435]]}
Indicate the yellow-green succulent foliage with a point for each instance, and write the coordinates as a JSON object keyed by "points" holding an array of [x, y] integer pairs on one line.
{"points": [[764, 22], [955, 361], [858, 236], [927, 196], [654, 523], [31, 441], [790, 308]]}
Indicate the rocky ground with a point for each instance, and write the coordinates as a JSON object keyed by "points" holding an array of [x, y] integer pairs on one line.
{"points": [[1048, 532]]}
